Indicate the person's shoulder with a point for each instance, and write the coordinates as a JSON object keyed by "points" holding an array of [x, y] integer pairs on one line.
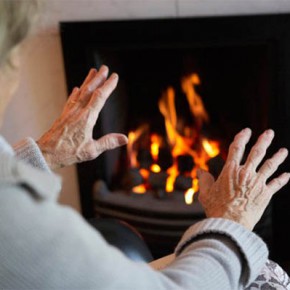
{"points": [[15, 173]]}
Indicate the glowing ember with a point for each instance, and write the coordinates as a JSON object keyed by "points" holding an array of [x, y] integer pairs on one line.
{"points": [[188, 196], [144, 173], [139, 189], [155, 168]]}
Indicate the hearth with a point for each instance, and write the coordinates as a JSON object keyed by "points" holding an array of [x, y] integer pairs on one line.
{"points": [[187, 86]]}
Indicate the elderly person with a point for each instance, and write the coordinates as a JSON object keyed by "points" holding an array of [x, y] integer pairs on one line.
{"points": [[44, 245]]}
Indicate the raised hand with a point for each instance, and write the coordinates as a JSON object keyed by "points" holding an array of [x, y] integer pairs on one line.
{"points": [[242, 192], [70, 139]]}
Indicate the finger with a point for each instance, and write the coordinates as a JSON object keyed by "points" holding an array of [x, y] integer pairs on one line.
{"points": [[89, 77], [237, 147], [205, 180], [73, 96], [277, 183], [258, 151], [271, 165], [101, 95], [110, 141], [97, 81]]}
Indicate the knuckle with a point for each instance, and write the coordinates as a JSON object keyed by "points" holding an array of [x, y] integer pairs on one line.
{"points": [[235, 148], [257, 152], [98, 94], [279, 182], [269, 165]]}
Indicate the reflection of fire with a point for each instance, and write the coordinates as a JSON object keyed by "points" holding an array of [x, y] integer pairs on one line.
{"points": [[189, 149]]}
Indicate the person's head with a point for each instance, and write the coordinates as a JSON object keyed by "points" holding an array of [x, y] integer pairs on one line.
{"points": [[16, 17]]}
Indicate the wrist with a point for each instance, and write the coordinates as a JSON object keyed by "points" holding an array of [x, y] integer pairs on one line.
{"points": [[48, 156]]}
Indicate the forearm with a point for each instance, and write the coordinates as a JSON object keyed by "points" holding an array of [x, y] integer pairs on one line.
{"points": [[221, 254]]}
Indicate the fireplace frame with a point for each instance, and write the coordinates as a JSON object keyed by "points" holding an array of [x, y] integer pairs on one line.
{"points": [[78, 39]]}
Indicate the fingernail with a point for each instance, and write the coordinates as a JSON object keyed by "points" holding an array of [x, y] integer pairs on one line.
{"points": [[283, 150], [246, 130], [104, 67], [114, 75], [269, 132], [123, 140]]}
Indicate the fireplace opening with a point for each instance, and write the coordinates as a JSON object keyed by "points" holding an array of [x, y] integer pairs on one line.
{"points": [[185, 104], [187, 86]]}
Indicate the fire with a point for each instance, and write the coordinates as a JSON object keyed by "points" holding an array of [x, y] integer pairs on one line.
{"points": [[172, 174], [183, 140], [139, 189], [195, 102], [188, 196], [155, 145], [155, 168], [211, 147]]}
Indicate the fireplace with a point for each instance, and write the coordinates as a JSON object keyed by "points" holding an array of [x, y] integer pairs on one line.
{"points": [[194, 82]]}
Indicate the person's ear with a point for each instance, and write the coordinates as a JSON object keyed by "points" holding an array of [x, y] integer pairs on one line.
{"points": [[14, 59]]}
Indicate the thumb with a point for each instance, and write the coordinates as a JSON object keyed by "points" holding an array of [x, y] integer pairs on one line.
{"points": [[110, 141], [206, 180]]}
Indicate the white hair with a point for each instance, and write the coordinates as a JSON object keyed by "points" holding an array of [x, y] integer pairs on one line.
{"points": [[16, 17]]}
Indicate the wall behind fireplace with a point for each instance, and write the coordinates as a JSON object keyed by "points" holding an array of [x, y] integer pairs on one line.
{"points": [[42, 90]]}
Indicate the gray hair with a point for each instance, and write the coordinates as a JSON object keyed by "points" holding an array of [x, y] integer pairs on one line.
{"points": [[16, 17]]}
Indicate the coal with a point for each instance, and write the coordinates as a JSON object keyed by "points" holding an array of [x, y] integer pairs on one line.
{"points": [[183, 182], [165, 159], [185, 163], [215, 165], [158, 180], [132, 178], [160, 194]]}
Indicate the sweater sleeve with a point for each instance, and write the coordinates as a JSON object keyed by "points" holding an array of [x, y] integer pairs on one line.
{"points": [[28, 151], [248, 247], [62, 251]]}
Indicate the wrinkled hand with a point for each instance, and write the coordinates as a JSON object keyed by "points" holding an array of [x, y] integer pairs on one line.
{"points": [[241, 193], [70, 138]]}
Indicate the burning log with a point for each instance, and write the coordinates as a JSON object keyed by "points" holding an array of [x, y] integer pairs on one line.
{"points": [[183, 182], [165, 159], [185, 163], [215, 165]]}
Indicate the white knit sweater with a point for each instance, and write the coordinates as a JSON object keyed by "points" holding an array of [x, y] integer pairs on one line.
{"points": [[44, 245]]}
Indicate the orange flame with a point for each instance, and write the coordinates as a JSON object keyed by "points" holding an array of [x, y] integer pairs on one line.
{"points": [[211, 148], [172, 174], [195, 102], [189, 194], [155, 145], [155, 168], [139, 189]]}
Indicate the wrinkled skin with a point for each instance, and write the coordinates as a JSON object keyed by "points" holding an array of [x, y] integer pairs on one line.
{"points": [[241, 193], [70, 139]]}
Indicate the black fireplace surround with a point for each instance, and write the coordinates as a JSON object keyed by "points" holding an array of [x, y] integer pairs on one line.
{"points": [[244, 66]]}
